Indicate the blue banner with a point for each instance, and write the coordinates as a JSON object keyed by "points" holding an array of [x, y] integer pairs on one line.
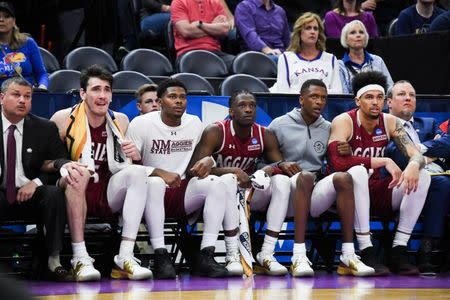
{"points": [[213, 108]]}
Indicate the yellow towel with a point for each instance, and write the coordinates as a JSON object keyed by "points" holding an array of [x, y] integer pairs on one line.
{"points": [[77, 133]]}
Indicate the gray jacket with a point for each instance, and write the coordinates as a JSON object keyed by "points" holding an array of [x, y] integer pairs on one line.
{"points": [[307, 145]]}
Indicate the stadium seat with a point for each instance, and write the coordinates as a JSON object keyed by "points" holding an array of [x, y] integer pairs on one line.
{"points": [[170, 42], [50, 62], [203, 63], [129, 80], [63, 81], [392, 27], [194, 83], [148, 62], [83, 57], [254, 63], [240, 82]]}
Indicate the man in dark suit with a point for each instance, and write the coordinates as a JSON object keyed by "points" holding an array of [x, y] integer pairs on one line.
{"points": [[425, 133], [27, 142]]}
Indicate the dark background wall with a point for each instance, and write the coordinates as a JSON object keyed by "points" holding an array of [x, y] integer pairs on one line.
{"points": [[422, 59]]}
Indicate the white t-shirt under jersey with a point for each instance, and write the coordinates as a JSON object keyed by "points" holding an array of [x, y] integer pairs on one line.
{"points": [[165, 147]]}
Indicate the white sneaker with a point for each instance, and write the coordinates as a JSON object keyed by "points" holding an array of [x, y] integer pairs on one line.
{"points": [[83, 269], [301, 266], [129, 267], [267, 264], [352, 265], [233, 265]]}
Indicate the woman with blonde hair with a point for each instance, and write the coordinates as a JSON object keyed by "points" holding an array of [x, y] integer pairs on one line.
{"points": [[306, 58], [355, 38], [19, 53]]}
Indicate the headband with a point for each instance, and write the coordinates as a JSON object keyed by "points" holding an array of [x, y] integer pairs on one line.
{"points": [[369, 87]]}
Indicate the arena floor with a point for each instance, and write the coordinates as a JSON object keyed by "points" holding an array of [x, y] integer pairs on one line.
{"points": [[322, 286]]}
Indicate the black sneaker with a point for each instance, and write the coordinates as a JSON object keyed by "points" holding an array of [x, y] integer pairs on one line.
{"points": [[399, 264], [163, 267], [370, 258], [424, 258], [207, 266]]}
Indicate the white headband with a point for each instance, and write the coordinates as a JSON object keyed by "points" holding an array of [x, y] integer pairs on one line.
{"points": [[369, 87]]}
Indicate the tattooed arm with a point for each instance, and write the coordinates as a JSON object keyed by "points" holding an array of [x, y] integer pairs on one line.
{"points": [[410, 176]]}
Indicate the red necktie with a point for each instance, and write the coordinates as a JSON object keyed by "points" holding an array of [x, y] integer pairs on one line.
{"points": [[11, 165]]}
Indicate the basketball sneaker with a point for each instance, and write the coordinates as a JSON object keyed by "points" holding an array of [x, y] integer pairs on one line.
{"points": [[129, 268], [371, 259], [267, 264], [83, 269], [301, 266], [233, 265], [352, 265], [163, 267], [207, 266]]}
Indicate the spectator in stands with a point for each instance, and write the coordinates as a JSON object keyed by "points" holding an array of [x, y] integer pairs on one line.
{"points": [[155, 14], [26, 190], [20, 54], [385, 11], [294, 9], [108, 182], [441, 23], [381, 186], [418, 17], [345, 12], [147, 100], [402, 104], [200, 25], [263, 26], [306, 59], [166, 151], [354, 37], [312, 191]]}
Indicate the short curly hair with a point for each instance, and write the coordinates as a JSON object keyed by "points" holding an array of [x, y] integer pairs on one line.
{"points": [[370, 77]]}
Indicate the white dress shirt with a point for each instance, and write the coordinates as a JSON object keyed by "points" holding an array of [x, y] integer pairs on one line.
{"points": [[21, 179]]}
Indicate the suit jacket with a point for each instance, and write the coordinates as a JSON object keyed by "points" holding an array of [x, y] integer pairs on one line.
{"points": [[426, 129], [40, 142], [439, 148]]}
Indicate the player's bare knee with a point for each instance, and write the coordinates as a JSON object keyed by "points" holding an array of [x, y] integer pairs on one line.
{"points": [[305, 180], [342, 181]]}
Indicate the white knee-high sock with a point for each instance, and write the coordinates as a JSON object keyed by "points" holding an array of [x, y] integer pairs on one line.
{"points": [[362, 198], [230, 189], [213, 211], [154, 212], [410, 208], [279, 202], [126, 248]]}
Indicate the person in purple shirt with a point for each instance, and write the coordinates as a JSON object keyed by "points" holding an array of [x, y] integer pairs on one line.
{"points": [[19, 53], [263, 26], [417, 18], [345, 12]]}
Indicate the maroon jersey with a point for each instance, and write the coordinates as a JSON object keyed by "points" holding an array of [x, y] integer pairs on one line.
{"points": [[97, 203], [237, 152], [365, 144]]}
